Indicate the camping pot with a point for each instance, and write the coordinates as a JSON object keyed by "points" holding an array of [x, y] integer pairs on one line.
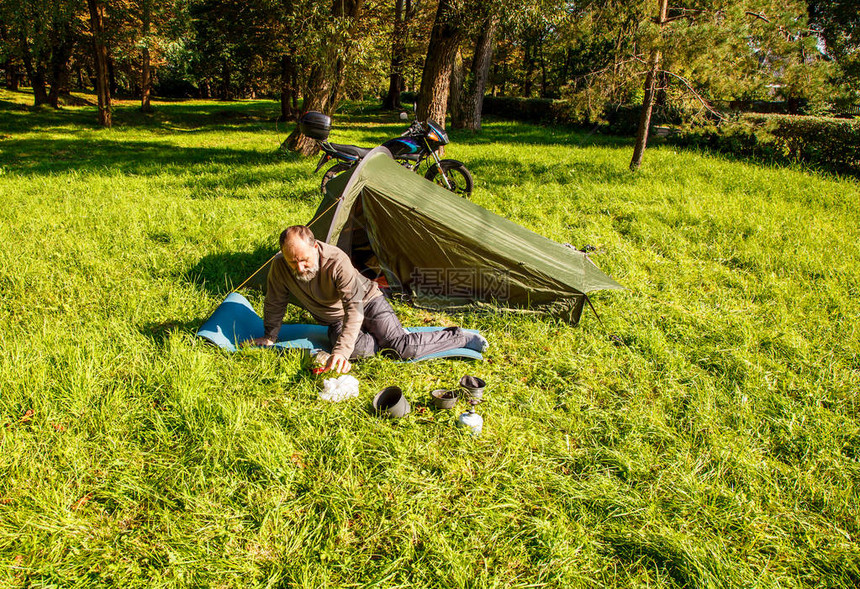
{"points": [[390, 402], [474, 387], [471, 420], [444, 398]]}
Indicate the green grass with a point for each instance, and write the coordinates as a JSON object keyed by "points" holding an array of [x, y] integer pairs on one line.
{"points": [[717, 448]]}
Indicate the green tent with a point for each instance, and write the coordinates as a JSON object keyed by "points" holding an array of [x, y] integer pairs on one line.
{"points": [[444, 250]]}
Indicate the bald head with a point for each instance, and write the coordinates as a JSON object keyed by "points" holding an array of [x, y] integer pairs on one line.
{"points": [[301, 232]]}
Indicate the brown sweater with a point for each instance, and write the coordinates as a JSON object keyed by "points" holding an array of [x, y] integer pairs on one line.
{"points": [[337, 293]]}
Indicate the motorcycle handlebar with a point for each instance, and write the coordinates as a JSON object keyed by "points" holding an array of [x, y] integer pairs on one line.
{"points": [[415, 129]]}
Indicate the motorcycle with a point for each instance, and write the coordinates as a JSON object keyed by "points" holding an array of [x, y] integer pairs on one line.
{"points": [[419, 143]]}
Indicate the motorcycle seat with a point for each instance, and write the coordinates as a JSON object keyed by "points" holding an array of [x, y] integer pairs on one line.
{"points": [[350, 150]]}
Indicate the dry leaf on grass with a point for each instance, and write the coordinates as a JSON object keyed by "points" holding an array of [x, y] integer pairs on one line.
{"points": [[81, 502]]}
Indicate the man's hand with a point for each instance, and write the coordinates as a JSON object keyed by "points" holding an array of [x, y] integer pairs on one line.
{"points": [[261, 341], [337, 363]]}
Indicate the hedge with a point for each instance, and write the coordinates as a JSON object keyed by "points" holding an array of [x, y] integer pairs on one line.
{"points": [[824, 143], [615, 119], [557, 112], [827, 144]]}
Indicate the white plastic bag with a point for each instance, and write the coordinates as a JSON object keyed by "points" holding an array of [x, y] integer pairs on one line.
{"points": [[339, 389]]}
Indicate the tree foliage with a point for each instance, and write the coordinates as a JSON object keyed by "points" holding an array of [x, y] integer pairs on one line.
{"points": [[837, 24], [715, 54]]}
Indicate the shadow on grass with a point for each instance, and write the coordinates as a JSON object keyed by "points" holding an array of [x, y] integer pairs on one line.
{"points": [[6, 105], [159, 333], [217, 274], [168, 117], [76, 143], [47, 156], [654, 553], [248, 115], [194, 115], [71, 143]]}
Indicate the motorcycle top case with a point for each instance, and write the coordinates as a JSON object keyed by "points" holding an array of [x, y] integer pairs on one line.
{"points": [[315, 125]]}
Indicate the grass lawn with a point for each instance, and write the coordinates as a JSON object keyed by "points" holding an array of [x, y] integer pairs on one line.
{"points": [[718, 447]]}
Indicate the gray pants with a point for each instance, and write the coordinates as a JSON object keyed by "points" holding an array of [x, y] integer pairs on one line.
{"points": [[382, 332]]}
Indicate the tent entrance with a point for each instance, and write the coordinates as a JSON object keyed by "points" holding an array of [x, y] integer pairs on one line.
{"points": [[355, 241]]}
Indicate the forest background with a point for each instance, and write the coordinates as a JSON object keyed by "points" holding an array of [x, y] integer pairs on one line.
{"points": [[597, 62]]}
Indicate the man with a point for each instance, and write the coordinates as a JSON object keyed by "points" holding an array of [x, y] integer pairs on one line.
{"points": [[321, 278]]}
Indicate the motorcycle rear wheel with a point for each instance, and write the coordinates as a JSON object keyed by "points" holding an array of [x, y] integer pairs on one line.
{"points": [[331, 173], [457, 173]]}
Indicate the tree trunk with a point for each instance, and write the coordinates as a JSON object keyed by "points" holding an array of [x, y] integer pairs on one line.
{"points": [[350, 12], [111, 69], [101, 60], [505, 74], [316, 98], [289, 92], [36, 73], [404, 10], [660, 90], [459, 79], [528, 52], [13, 76], [226, 73], [436, 78], [59, 74], [471, 99], [40, 86], [146, 65], [326, 78], [648, 99], [145, 81], [9, 66], [495, 78], [645, 114], [542, 63], [339, 80]]}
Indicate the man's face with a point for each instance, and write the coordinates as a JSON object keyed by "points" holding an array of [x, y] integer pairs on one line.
{"points": [[302, 258]]}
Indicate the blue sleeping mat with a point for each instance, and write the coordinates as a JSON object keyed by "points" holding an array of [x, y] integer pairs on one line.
{"points": [[235, 321]]}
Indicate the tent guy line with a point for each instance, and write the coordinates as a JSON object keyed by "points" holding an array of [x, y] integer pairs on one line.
{"points": [[269, 261]]}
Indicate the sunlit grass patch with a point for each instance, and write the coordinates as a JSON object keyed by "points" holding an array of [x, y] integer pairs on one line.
{"points": [[713, 443]]}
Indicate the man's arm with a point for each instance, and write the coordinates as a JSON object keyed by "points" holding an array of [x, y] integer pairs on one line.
{"points": [[352, 296], [275, 305]]}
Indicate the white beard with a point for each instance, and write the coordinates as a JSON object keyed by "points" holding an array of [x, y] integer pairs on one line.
{"points": [[307, 275]]}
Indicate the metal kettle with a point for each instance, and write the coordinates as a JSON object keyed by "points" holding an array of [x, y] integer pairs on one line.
{"points": [[471, 420]]}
